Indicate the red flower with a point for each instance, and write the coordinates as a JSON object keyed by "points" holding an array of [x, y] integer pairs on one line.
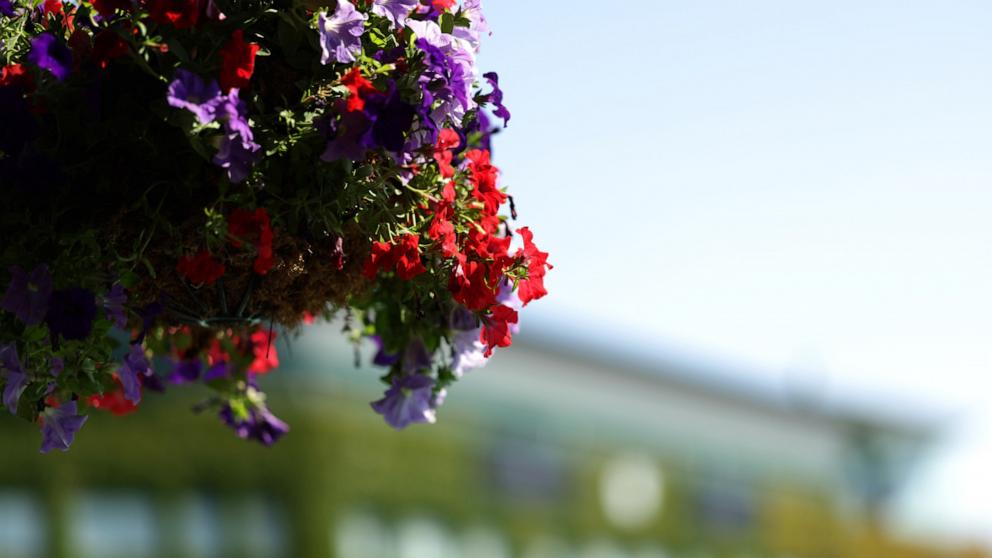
{"points": [[532, 288], [484, 176], [403, 255], [113, 401], [238, 62], [496, 328], [16, 75], [108, 45], [201, 268], [244, 225], [446, 141], [470, 286], [181, 14], [264, 348], [442, 5], [441, 228], [358, 87]]}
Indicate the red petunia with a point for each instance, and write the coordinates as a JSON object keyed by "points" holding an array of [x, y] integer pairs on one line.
{"points": [[446, 141], [358, 88], [484, 176], [16, 75], [181, 14], [238, 62], [264, 350], [201, 268], [496, 328], [403, 256], [113, 401], [532, 288], [471, 287], [253, 226], [443, 5]]}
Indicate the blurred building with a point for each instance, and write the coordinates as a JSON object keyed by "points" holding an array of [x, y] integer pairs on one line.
{"points": [[548, 452]]}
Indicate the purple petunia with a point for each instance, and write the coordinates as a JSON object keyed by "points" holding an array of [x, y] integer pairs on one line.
{"points": [[135, 366], [468, 351], [113, 304], [348, 137], [6, 8], [416, 357], [186, 370], [260, 424], [382, 357], [59, 427], [341, 33], [450, 62], [496, 98], [472, 10], [71, 313], [237, 151], [409, 400], [188, 91], [395, 11], [15, 380], [28, 294], [48, 53], [393, 119]]}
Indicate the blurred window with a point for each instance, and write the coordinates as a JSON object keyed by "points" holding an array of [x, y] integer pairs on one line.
{"points": [[422, 537], [359, 534], [22, 526], [112, 525], [200, 527], [484, 542]]}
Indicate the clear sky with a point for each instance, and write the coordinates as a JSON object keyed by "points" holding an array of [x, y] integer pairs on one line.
{"points": [[792, 186]]}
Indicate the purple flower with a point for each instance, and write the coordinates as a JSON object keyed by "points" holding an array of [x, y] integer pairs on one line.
{"points": [[382, 357], [394, 117], [113, 303], [348, 139], [237, 151], [56, 366], [60, 427], [260, 424], [50, 54], [409, 400], [71, 313], [450, 62], [496, 98], [188, 91], [219, 370], [6, 8], [416, 357], [341, 34], [395, 11], [468, 352], [472, 10], [135, 366], [28, 294], [16, 379], [186, 370]]}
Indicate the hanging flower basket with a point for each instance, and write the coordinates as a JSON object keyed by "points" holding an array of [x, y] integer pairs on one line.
{"points": [[185, 180]]}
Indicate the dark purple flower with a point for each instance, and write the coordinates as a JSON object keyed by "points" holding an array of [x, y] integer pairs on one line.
{"points": [[394, 116], [186, 370], [496, 98], [219, 370], [237, 151], [341, 33], [71, 313], [188, 91], [60, 426], [395, 11], [6, 8], [382, 356], [48, 53], [113, 303], [28, 294], [409, 400], [135, 366], [15, 380], [348, 137], [260, 424], [416, 357]]}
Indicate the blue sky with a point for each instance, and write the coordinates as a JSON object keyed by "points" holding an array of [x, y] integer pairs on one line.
{"points": [[801, 188]]}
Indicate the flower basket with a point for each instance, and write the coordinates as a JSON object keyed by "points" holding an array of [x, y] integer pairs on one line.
{"points": [[187, 180]]}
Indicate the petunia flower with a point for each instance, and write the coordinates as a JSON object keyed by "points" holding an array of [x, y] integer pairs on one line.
{"points": [[48, 53], [135, 366], [382, 356], [181, 14], [408, 400], [6, 8], [188, 91], [496, 98], [341, 33], [238, 62], [59, 427], [71, 313], [396, 11], [260, 424], [201, 268], [416, 357], [237, 151], [113, 304], [472, 10], [15, 380], [496, 328], [28, 294]]}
